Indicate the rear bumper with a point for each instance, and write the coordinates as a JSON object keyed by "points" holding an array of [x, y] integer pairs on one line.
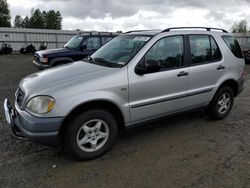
{"points": [[39, 65], [24, 126]]}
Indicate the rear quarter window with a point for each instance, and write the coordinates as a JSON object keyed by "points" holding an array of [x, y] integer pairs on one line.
{"points": [[233, 45]]}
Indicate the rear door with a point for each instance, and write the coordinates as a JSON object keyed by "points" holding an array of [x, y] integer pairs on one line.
{"points": [[206, 68]]}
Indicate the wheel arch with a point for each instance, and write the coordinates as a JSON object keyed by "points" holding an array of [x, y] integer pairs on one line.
{"points": [[232, 84], [97, 104]]}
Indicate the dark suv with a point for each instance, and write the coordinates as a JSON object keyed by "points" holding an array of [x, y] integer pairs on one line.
{"points": [[79, 47]]}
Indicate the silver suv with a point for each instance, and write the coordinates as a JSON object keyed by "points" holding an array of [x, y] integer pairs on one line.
{"points": [[136, 77]]}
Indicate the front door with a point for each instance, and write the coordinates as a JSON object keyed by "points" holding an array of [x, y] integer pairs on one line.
{"points": [[164, 92], [89, 46]]}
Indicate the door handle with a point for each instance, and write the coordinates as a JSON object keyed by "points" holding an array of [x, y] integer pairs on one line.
{"points": [[221, 67], [182, 73]]}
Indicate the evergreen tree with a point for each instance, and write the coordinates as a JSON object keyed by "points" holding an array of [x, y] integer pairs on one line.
{"points": [[36, 20], [18, 22], [43, 20], [53, 19], [26, 22], [4, 14]]}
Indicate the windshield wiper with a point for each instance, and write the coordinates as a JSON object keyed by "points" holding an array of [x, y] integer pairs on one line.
{"points": [[106, 62], [88, 59]]}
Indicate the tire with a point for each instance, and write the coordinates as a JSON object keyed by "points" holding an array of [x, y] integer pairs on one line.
{"points": [[89, 128], [221, 104]]}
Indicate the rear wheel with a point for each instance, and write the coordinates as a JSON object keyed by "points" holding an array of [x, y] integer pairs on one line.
{"points": [[90, 134], [221, 104]]}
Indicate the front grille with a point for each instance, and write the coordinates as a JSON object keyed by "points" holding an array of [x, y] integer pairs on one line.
{"points": [[20, 97]]}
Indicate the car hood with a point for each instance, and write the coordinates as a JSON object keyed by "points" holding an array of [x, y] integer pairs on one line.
{"points": [[52, 51], [73, 73]]}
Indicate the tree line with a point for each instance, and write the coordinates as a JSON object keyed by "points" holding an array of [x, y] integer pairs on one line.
{"points": [[38, 19], [240, 27], [43, 20]]}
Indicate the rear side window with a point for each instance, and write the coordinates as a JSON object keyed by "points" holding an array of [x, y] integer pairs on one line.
{"points": [[203, 49], [233, 45]]}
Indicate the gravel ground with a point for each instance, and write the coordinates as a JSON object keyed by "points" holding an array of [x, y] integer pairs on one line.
{"points": [[183, 151]]}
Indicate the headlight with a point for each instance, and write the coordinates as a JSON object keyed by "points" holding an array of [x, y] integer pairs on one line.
{"points": [[43, 60], [40, 104]]}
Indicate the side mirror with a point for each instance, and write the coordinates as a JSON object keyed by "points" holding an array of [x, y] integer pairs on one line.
{"points": [[83, 47], [148, 66]]}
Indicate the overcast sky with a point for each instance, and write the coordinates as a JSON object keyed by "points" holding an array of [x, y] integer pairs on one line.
{"points": [[114, 15]]}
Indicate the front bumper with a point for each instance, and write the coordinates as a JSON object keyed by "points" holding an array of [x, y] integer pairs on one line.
{"points": [[22, 125], [40, 65]]}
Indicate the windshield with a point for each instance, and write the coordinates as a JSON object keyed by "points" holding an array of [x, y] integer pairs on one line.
{"points": [[74, 42], [120, 50]]}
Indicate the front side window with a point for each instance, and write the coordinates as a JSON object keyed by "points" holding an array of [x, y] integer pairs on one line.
{"points": [[74, 42], [120, 50], [168, 51], [203, 49], [93, 43], [233, 45], [106, 39]]}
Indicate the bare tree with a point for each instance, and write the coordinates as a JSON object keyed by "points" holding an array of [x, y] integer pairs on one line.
{"points": [[240, 27]]}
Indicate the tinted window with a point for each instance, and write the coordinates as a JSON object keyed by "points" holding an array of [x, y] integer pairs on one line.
{"points": [[203, 49], [233, 45], [105, 40], [168, 51], [215, 51], [92, 43]]}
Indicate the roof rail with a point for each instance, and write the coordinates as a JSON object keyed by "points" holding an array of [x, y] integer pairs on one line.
{"points": [[140, 30], [97, 33], [207, 28]]}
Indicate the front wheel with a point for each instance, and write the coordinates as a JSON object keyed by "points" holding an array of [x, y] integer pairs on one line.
{"points": [[90, 134], [221, 104]]}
